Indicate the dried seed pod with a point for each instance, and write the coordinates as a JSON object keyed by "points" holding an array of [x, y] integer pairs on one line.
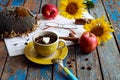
{"points": [[16, 21]]}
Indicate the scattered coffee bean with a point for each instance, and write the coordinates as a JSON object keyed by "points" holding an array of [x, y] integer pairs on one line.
{"points": [[15, 44], [71, 35], [101, 44], [73, 59], [69, 62], [26, 43], [70, 66], [86, 59], [82, 67], [89, 68]]}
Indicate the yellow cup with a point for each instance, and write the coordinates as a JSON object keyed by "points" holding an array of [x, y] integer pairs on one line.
{"points": [[46, 50]]}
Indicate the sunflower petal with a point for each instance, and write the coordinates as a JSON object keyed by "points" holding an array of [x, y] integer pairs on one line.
{"points": [[101, 28], [66, 13]]}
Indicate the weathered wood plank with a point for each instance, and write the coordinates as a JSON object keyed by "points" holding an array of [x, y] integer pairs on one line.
{"points": [[108, 53], [15, 3], [39, 72], [33, 5], [15, 68], [69, 62], [88, 67], [3, 3], [3, 56], [113, 10]]}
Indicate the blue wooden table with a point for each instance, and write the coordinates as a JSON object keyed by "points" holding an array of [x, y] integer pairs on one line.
{"points": [[101, 64]]}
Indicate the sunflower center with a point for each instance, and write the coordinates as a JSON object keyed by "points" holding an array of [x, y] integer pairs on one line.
{"points": [[72, 8], [97, 30]]}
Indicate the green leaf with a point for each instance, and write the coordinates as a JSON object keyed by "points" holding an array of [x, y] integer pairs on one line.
{"points": [[89, 3]]}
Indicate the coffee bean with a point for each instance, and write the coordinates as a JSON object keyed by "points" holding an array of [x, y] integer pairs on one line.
{"points": [[89, 68], [73, 59], [69, 62], [39, 39], [82, 67], [86, 59], [70, 66], [26, 43], [15, 44]]}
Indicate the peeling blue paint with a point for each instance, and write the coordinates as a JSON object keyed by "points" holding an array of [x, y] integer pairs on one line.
{"points": [[44, 72], [118, 36], [111, 1], [118, 3], [17, 2], [3, 1], [114, 13], [58, 75], [19, 75], [95, 1], [0, 8]]}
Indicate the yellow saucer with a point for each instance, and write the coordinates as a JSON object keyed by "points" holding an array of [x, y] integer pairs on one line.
{"points": [[31, 54]]}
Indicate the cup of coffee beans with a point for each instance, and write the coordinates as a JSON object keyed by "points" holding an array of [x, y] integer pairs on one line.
{"points": [[46, 43]]}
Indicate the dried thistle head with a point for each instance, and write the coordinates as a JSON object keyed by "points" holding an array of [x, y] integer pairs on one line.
{"points": [[16, 21]]}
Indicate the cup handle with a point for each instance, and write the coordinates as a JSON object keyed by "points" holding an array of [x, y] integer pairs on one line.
{"points": [[61, 44]]}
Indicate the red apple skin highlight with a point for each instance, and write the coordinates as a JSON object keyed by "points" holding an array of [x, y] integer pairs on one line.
{"points": [[49, 11], [88, 42]]}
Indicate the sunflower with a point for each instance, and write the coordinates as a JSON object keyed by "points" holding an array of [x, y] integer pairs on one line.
{"points": [[101, 28], [72, 9]]}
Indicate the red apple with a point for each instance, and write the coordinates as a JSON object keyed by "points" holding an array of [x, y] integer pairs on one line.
{"points": [[88, 42], [49, 11]]}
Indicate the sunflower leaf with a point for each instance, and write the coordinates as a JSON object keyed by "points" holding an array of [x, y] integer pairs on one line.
{"points": [[89, 3]]}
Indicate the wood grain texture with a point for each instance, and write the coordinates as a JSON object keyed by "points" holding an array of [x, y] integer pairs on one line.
{"points": [[101, 64], [69, 62], [88, 67], [113, 10], [15, 2], [39, 72], [3, 56], [33, 5], [3, 4], [15, 68], [108, 52]]}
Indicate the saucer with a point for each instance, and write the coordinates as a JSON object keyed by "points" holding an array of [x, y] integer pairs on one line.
{"points": [[32, 55]]}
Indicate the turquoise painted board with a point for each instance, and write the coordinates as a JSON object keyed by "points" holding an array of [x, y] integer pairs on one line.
{"points": [[69, 62], [17, 2], [39, 72], [108, 52], [15, 68], [1, 8], [113, 9], [58, 72], [4, 2], [19, 75], [114, 13]]}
